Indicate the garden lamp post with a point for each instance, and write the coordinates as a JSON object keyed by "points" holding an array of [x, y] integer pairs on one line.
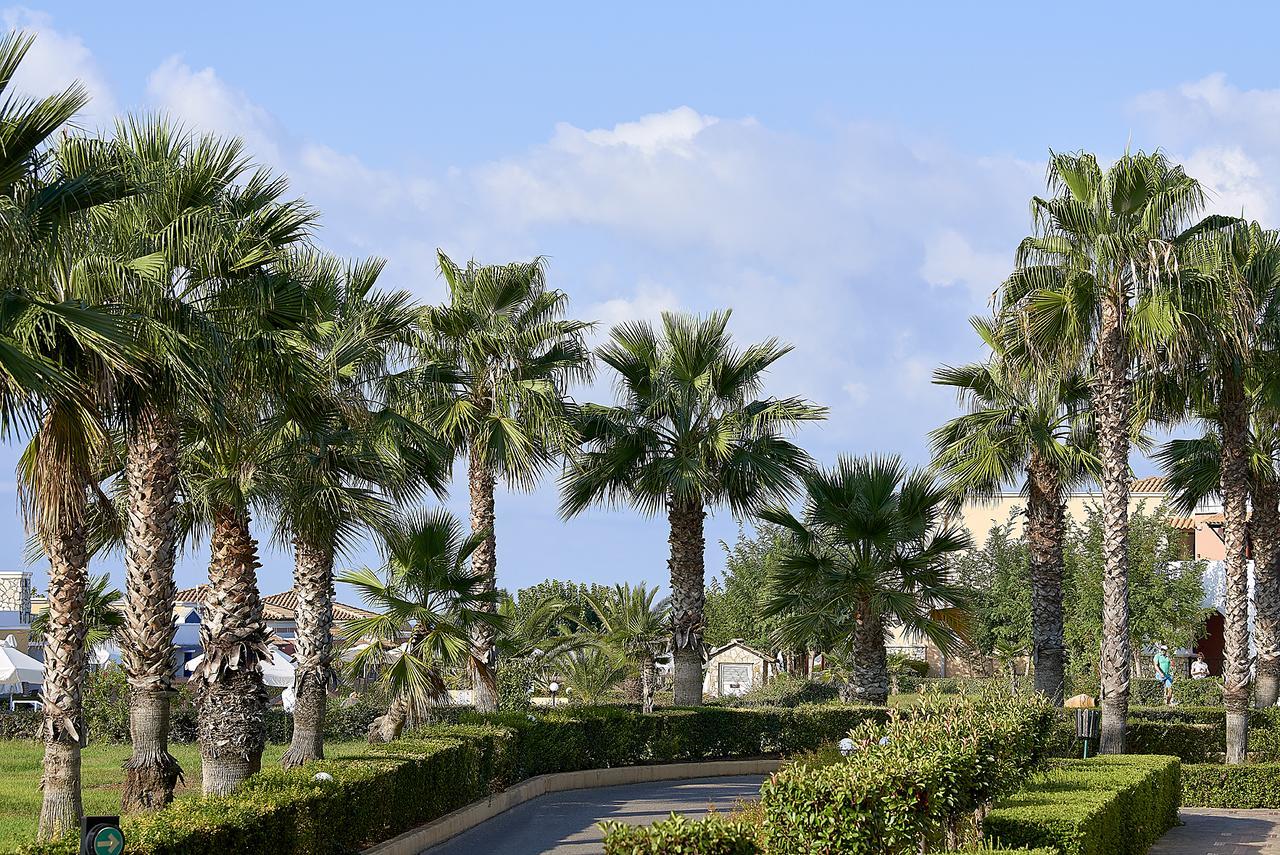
{"points": [[554, 687]]}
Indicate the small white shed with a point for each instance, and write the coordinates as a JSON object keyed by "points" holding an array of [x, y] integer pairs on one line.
{"points": [[735, 668]]}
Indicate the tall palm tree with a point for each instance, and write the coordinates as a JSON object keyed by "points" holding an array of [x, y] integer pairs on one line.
{"points": [[1023, 425], [688, 434], [346, 454], [60, 340], [870, 548], [1231, 314], [426, 600], [637, 627], [1096, 284], [175, 221], [504, 338]]}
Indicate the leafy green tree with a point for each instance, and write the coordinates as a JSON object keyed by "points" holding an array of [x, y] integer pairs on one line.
{"points": [[1025, 425], [1166, 594], [872, 546], [636, 626], [426, 599], [736, 600], [1096, 285], [997, 577], [688, 434]]}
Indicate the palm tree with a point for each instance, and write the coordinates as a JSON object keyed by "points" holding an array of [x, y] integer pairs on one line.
{"points": [[427, 600], [636, 627], [688, 435], [592, 673], [1022, 425], [504, 339], [1094, 284], [346, 454], [60, 340], [1231, 314], [870, 548]]}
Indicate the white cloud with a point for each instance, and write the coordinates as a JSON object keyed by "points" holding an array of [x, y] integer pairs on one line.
{"points": [[55, 61], [949, 259], [647, 304], [672, 131]]}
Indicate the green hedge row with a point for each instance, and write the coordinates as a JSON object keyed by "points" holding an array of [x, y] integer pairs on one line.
{"points": [[1100, 806], [440, 768], [909, 684], [1192, 734], [1249, 785]]}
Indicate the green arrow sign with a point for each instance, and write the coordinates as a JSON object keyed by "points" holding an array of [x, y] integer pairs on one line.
{"points": [[108, 841]]}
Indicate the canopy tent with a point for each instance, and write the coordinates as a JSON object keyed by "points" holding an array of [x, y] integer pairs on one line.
{"points": [[276, 671], [17, 668]]}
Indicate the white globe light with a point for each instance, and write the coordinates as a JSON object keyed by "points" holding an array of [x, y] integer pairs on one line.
{"points": [[323, 777], [846, 746], [555, 687]]}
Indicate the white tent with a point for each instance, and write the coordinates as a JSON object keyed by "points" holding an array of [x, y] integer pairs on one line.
{"points": [[17, 668], [277, 671]]}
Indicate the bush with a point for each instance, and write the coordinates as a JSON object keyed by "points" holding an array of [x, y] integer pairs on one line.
{"points": [[23, 724], [515, 684], [1100, 806], [439, 768], [1150, 692], [785, 690], [712, 836], [912, 685], [1250, 785], [909, 780]]}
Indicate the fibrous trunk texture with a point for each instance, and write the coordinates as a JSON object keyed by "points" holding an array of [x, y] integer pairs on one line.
{"points": [[151, 473], [63, 728], [232, 698], [388, 726], [313, 583], [648, 682], [869, 669], [688, 600], [1234, 413], [484, 563], [1044, 538], [1266, 590], [1112, 397]]}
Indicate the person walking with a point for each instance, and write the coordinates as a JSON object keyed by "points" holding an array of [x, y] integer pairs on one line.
{"points": [[1164, 672], [1199, 668]]}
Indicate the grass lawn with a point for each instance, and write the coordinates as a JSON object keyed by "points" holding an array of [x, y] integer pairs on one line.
{"points": [[101, 778]]}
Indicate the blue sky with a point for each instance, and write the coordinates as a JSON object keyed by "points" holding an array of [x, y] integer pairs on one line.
{"points": [[852, 179]]}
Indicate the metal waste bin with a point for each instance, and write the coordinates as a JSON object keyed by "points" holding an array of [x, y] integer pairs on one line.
{"points": [[1088, 726]]}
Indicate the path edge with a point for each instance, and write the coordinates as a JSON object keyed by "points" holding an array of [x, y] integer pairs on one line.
{"points": [[465, 818]]}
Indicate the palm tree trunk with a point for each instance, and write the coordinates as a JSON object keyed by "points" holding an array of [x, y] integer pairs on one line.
{"points": [[1044, 538], [1112, 402], [388, 727], [648, 680], [151, 472], [313, 582], [484, 562], [63, 729], [688, 600], [1265, 534], [232, 699], [869, 670], [1234, 412]]}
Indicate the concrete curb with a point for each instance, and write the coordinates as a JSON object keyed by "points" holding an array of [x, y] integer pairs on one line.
{"points": [[465, 818]]}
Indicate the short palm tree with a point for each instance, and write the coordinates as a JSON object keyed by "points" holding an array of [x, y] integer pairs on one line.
{"points": [[688, 434], [1230, 321], [427, 600], [635, 626], [870, 548], [591, 674], [504, 339], [1096, 285], [1029, 426]]}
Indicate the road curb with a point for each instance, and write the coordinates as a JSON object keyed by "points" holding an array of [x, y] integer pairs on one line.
{"points": [[452, 824]]}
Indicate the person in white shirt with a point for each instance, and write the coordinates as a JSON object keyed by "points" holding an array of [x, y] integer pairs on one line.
{"points": [[1199, 668]]}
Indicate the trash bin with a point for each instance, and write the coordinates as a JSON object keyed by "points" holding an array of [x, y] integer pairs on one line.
{"points": [[1088, 726]]}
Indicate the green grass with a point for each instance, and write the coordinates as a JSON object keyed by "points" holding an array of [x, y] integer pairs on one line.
{"points": [[101, 779]]}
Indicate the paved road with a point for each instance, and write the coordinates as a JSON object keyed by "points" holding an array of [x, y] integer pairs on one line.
{"points": [[1222, 832], [565, 823]]}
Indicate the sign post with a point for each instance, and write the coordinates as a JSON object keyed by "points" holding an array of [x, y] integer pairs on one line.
{"points": [[101, 835]]}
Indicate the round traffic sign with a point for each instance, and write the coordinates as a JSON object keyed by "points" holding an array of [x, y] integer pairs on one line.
{"points": [[108, 841]]}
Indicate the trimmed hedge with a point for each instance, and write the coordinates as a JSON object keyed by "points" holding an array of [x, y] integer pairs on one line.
{"points": [[440, 768], [24, 724], [909, 684], [1249, 785], [1193, 734], [677, 835], [784, 690], [1100, 806]]}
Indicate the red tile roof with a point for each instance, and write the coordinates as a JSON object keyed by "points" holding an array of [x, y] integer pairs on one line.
{"points": [[279, 607], [1154, 484]]}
